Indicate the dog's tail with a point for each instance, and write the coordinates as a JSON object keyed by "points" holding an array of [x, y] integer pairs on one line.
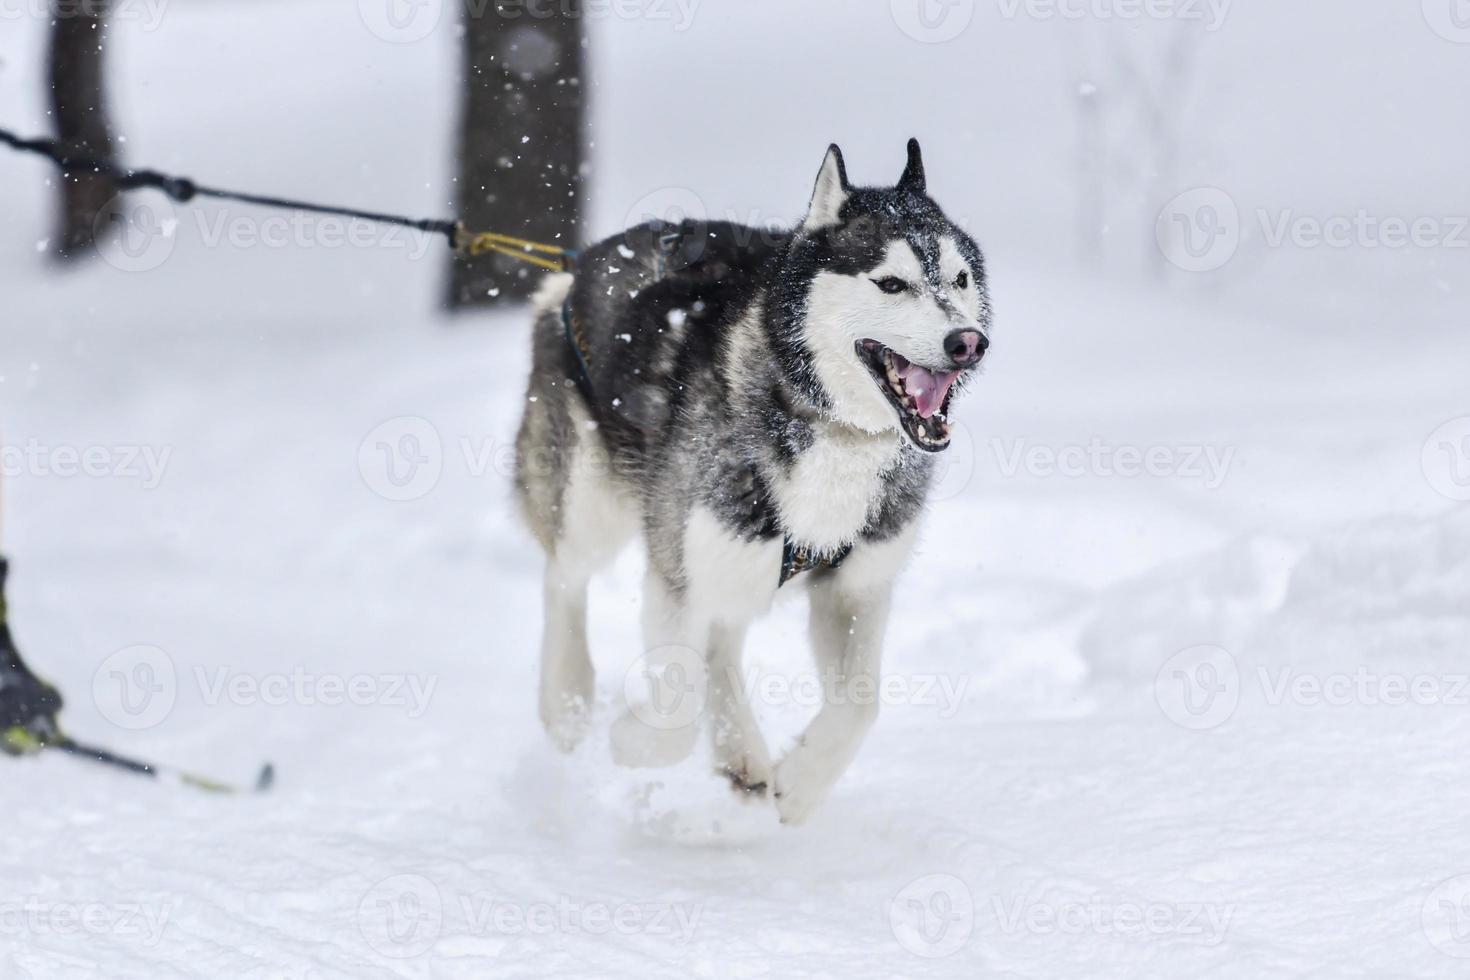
{"points": [[547, 432], [551, 295]]}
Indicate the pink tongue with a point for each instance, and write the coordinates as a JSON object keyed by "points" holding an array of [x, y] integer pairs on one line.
{"points": [[927, 387]]}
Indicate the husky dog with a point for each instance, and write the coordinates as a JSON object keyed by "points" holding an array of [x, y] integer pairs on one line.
{"points": [[763, 407]]}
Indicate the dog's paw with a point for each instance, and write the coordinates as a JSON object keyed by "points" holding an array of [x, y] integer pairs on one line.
{"points": [[566, 721], [639, 745], [748, 778], [797, 790]]}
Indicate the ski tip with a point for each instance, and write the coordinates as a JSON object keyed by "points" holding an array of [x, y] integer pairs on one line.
{"points": [[266, 779]]}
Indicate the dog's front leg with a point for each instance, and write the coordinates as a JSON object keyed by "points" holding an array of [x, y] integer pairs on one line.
{"points": [[739, 750], [847, 623]]}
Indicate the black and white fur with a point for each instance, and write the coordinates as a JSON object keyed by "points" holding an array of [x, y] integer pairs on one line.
{"points": [[740, 391]]}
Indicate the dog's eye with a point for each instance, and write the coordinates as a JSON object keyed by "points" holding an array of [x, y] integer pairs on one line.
{"points": [[891, 285], [962, 281]]}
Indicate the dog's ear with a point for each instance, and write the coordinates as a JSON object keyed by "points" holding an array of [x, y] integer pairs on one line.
{"points": [[913, 174], [830, 194]]}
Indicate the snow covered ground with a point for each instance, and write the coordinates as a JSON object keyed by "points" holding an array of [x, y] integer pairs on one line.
{"points": [[1180, 671]]}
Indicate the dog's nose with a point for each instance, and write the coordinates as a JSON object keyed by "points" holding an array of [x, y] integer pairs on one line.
{"points": [[966, 347]]}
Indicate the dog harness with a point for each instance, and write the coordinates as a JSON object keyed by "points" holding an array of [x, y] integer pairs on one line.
{"points": [[795, 558]]}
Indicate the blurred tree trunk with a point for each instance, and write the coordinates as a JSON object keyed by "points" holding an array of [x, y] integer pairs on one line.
{"points": [[520, 145], [80, 110]]}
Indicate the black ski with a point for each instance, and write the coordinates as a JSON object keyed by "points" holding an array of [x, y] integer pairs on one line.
{"points": [[263, 781]]}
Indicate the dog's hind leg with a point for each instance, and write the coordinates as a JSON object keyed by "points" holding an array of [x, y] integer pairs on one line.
{"points": [[596, 522], [568, 682], [659, 728], [579, 515]]}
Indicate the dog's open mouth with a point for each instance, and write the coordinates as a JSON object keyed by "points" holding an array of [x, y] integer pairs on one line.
{"points": [[919, 395]]}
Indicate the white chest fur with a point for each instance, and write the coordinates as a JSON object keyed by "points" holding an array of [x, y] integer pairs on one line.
{"points": [[825, 498], [729, 578]]}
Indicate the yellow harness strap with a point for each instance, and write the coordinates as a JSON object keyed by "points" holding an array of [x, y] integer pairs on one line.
{"points": [[553, 258]]}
